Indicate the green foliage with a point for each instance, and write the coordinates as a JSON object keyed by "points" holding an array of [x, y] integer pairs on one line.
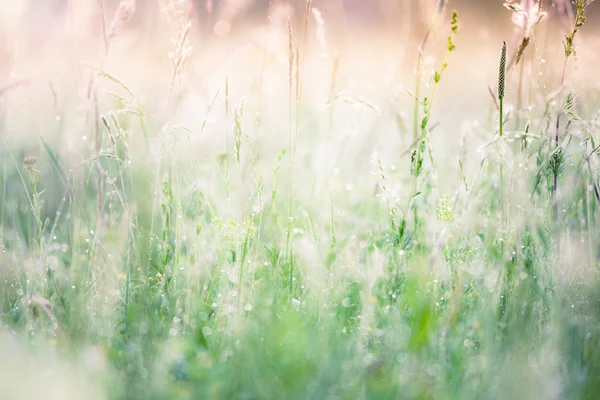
{"points": [[210, 280]]}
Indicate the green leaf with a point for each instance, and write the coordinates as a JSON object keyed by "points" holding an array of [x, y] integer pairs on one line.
{"points": [[55, 162]]}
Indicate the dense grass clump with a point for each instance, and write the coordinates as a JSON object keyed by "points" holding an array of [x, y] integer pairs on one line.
{"points": [[277, 223]]}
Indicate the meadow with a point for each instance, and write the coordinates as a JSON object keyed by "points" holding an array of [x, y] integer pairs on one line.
{"points": [[271, 211]]}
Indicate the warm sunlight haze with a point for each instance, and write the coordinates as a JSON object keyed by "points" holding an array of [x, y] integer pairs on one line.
{"points": [[292, 199]]}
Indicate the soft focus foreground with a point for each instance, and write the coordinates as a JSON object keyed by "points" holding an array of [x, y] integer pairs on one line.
{"points": [[229, 204]]}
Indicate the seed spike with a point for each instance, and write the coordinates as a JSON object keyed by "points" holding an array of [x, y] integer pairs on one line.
{"points": [[502, 72]]}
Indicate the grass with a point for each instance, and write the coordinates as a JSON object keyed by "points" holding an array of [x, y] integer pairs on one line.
{"points": [[152, 248]]}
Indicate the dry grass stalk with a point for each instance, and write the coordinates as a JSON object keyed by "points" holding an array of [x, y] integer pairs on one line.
{"points": [[290, 49], [306, 18], [122, 16], [297, 71], [12, 86]]}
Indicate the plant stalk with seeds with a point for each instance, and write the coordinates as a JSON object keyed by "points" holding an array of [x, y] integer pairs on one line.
{"points": [[288, 244], [418, 154], [501, 86], [557, 159], [238, 113], [501, 92]]}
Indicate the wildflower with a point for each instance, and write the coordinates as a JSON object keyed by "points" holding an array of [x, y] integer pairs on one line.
{"points": [[29, 162], [159, 276]]}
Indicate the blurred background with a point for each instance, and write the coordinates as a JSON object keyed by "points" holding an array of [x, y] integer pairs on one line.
{"points": [[219, 17], [361, 55], [367, 48], [41, 28], [364, 48]]}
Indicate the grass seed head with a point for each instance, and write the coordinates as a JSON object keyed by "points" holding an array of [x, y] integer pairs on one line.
{"points": [[122, 16], [307, 15], [502, 72]]}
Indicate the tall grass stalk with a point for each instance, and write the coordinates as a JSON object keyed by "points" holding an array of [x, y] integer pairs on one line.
{"points": [[557, 158], [501, 91], [226, 152], [501, 88], [421, 138], [288, 242]]}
